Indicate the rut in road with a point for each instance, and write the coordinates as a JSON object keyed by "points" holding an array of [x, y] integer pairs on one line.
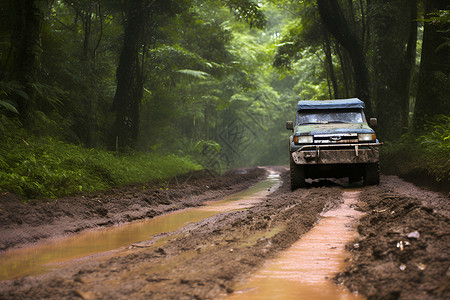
{"points": [[41, 258], [208, 259], [305, 270], [202, 260]]}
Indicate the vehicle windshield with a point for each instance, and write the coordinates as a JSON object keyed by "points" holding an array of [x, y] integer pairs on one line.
{"points": [[322, 116]]}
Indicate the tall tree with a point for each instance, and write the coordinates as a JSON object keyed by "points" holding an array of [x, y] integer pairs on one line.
{"points": [[330, 67], [392, 58], [433, 96], [140, 25], [336, 23], [141, 16], [29, 18], [308, 33], [129, 77]]}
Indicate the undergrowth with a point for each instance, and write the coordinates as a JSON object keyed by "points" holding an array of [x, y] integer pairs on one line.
{"points": [[428, 152], [40, 167]]}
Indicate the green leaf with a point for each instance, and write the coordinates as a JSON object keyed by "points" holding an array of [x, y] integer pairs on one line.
{"points": [[442, 46], [9, 106], [194, 73]]}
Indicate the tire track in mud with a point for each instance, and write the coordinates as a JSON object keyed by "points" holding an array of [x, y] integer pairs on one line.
{"points": [[206, 261], [22, 224], [304, 270], [200, 263], [35, 260]]}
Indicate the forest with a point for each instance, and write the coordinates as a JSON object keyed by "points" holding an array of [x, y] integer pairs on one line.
{"points": [[95, 94]]}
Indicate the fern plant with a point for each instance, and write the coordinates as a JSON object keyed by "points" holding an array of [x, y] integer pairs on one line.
{"points": [[436, 144]]}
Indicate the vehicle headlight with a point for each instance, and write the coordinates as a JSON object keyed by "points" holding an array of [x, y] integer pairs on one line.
{"points": [[366, 137], [303, 139]]}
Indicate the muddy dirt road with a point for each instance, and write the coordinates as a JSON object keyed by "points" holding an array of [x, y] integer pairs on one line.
{"points": [[401, 249]]}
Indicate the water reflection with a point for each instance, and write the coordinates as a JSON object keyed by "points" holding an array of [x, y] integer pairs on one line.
{"points": [[305, 269], [38, 259]]}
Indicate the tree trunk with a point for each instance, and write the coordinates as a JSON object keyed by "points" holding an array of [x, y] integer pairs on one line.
{"points": [[128, 95], [335, 22], [329, 62], [433, 94], [87, 21], [346, 70], [28, 29], [393, 42]]}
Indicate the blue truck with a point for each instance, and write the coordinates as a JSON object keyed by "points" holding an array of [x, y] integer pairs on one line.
{"points": [[332, 139]]}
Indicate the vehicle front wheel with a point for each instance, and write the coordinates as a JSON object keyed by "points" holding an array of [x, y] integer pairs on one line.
{"points": [[353, 179], [372, 174], [297, 174]]}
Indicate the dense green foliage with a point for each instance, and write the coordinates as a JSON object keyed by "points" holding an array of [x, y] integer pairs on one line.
{"points": [[213, 80], [423, 154], [436, 147], [36, 167]]}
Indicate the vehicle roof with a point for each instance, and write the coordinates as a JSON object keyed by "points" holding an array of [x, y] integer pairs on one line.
{"points": [[330, 104]]}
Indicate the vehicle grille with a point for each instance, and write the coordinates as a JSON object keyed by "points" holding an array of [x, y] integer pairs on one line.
{"points": [[336, 138]]}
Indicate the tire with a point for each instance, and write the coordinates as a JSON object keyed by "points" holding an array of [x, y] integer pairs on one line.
{"points": [[352, 179], [297, 174], [372, 174]]}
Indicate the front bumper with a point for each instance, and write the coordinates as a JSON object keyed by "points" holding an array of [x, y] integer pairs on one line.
{"points": [[337, 154]]}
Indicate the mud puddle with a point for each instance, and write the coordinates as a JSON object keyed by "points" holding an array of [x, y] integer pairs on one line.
{"points": [[305, 270], [247, 198], [45, 257]]}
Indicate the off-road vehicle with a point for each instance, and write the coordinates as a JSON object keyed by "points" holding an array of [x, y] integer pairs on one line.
{"points": [[331, 138]]}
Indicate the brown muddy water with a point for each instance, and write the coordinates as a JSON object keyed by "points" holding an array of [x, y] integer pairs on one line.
{"points": [[51, 254], [305, 270]]}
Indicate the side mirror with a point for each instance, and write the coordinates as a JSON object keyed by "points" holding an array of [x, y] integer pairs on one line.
{"points": [[373, 122], [290, 125]]}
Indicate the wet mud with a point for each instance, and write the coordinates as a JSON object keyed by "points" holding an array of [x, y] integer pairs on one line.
{"points": [[403, 251], [208, 259], [37, 220], [304, 270], [40, 258]]}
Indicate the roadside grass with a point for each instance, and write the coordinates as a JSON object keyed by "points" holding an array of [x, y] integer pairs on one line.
{"points": [[46, 167], [425, 157]]}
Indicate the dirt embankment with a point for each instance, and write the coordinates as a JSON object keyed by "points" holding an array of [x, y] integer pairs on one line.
{"points": [[23, 223], [410, 164]]}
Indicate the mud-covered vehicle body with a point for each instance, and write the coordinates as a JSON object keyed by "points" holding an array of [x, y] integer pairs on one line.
{"points": [[331, 138]]}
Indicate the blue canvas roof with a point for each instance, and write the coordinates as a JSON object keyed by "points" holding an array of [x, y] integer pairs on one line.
{"points": [[330, 104]]}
